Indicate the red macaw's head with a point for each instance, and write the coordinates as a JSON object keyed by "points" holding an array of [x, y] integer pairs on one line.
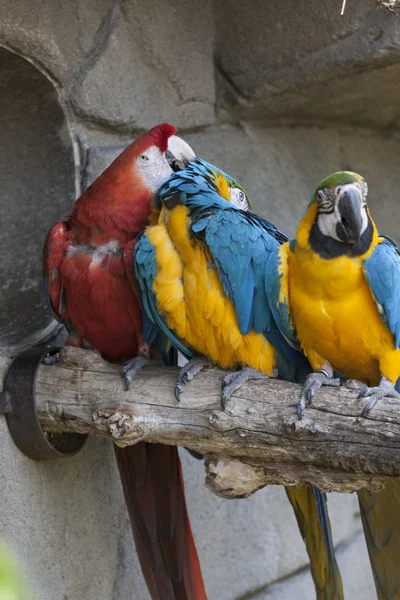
{"points": [[120, 198]]}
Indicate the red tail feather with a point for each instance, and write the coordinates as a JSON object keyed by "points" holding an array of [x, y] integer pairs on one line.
{"points": [[151, 476]]}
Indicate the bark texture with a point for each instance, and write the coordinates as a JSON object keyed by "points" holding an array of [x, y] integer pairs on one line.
{"points": [[258, 440]]}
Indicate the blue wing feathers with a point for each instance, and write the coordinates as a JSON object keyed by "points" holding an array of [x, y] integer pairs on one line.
{"points": [[243, 271], [240, 263], [382, 271], [280, 310], [241, 246], [146, 269]]}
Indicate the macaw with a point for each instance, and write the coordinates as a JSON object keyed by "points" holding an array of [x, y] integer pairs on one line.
{"points": [[201, 269], [335, 289], [91, 288]]}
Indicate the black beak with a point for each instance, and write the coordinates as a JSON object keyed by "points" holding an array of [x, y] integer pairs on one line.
{"points": [[175, 164], [348, 228]]}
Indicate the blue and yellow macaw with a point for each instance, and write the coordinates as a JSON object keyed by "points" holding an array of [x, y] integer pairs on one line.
{"points": [[335, 289], [201, 269]]}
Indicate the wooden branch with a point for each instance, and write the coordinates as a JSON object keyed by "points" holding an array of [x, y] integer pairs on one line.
{"points": [[258, 440]]}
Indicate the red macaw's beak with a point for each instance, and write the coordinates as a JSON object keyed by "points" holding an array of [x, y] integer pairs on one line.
{"points": [[178, 153]]}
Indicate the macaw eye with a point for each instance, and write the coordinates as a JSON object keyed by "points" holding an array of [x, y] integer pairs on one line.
{"points": [[143, 158], [236, 195], [238, 198]]}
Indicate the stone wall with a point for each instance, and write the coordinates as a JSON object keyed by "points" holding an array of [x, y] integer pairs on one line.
{"points": [[279, 94]]}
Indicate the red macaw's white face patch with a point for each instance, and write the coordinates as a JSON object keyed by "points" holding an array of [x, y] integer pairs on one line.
{"points": [[153, 168]]}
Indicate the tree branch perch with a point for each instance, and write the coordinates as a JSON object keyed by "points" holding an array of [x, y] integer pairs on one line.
{"points": [[256, 441]]}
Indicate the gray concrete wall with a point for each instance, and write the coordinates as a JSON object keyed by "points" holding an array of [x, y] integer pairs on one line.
{"points": [[277, 94]]}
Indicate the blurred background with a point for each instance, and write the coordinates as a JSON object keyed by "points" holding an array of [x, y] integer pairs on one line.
{"points": [[279, 94]]}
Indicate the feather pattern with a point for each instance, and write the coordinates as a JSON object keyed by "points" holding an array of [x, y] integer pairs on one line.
{"points": [[382, 270], [91, 287], [240, 244], [202, 271], [310, 507], [346, 309], [152, 480], [53, 254], [380, 511], [146, 269]]}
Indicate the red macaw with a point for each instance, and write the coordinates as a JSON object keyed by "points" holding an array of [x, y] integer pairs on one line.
{"points": [[91, 289]]}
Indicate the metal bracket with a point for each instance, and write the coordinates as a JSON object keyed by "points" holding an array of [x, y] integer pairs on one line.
{"points": [[17, 402]]}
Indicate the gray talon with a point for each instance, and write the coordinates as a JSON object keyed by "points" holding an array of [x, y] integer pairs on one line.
{"points": [[313, 383], [384, 389], [51, 359], [233, 381], [132, 367], [178, 389], [188, 371], [228, 378]]}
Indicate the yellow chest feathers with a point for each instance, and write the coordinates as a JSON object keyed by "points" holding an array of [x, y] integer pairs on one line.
{"points": [[336, 317], [190, 297]]}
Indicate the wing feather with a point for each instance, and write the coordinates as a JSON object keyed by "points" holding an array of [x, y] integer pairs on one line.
{"points": [[146, 271], [382, 271], [54, 251]]}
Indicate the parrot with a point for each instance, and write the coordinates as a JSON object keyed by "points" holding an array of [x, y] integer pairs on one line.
{"points": [[91, 288], [201, 270], [335, 291]]}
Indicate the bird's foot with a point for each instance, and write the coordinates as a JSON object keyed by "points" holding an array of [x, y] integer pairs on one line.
{"points": [[188, 371], [385, 388], [233, 381], [51, 359], [132, 367], [313, 383]]}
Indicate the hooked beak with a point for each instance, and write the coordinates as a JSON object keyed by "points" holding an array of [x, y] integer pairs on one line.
{"points": [[178, 153], [348, 228]]}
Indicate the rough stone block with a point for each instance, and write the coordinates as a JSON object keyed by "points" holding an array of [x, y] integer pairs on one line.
{"points": [[155, 66], [37, 178], [307, 63], [56, 35], [126, 65]]}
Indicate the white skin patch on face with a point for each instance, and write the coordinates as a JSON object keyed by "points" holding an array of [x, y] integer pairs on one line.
{"points": [[153, 168], [238, 198], [327, 221]]}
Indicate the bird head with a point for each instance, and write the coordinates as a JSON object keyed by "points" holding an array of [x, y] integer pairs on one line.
{"points": [[229, 188], [338, 218], [152, 158], [201, 184], [121, 196], [342, 206]]}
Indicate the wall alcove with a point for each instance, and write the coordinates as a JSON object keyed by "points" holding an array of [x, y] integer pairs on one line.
{"points": [[37, 183]]}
